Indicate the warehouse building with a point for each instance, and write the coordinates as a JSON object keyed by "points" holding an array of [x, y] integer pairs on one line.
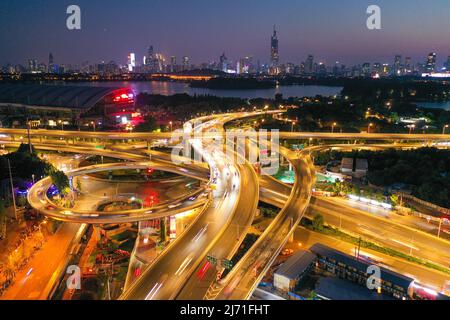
{"points": [[293, 270]]}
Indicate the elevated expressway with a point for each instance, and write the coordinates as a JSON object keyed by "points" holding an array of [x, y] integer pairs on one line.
{"points": [[37, 197], [242, 280], [164, 278]]}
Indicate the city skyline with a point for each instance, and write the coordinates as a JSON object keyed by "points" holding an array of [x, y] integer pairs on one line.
{"points": [[339, 35]]}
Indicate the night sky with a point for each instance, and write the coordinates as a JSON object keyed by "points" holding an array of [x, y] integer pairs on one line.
{"points": [[203, 29]]}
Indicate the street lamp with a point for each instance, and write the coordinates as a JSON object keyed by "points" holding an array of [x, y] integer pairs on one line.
{"points": [[62, 124], [170, 123], [292, 126], [425, 129], [93, 124], [443, 128], [411, 128], [369, 126], [332, 127]]}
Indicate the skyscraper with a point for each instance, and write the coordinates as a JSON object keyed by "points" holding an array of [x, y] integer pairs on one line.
{"points": [[431, 62], [50, 63], [32, 65], [274, 57], [447, 64], [185, 63], [309, 64], [131, 62], [397, 65], [173, 64], [408, 66], [223, 64]]}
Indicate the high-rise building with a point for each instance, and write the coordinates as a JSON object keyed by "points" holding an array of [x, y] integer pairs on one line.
{"points": [[431, 62], [173, 64], [150, 54], [309, 64], [131, 62], [447, 64], [408, 66], [274, 56], [185, 63], [51, 68], [223, 62], [32, 65], [366, 69], [397, 65]]}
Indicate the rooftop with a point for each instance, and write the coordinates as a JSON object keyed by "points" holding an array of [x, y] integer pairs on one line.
{"points": [[386, 275], [296, 264], [78, 97]]}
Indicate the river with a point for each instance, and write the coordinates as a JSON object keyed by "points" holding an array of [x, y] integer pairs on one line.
{"points": [[170, 88]]}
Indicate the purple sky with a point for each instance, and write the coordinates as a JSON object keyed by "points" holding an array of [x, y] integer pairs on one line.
{"points": [[203, 29]]}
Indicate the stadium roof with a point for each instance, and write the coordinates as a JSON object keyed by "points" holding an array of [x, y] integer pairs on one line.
{"points": [[78, 97]]}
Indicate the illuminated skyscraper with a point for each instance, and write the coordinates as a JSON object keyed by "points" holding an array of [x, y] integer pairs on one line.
{"points": [[32, 65], [223, 63], [397, 65], [431, 62], [408, 66], [185, 63], [50, 63], [131, 62], [274, 57]]}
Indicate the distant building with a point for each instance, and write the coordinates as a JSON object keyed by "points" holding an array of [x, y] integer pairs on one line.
{"points": [[131, 62], [223, 62], [361, 167], [347, 165], [289, 273], [274, 55], [309, 64], [431, 63], [185, 63], [51, 66]]}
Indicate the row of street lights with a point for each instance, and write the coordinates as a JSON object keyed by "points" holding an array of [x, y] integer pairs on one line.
{"points": [[411, 127]]}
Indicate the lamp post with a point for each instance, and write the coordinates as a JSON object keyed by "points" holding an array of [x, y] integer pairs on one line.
{"points": [[411, 128], [332, 127], [443, 128], [292, 126], [425, 129], [369, 126], [171, 128], [93, 124]]}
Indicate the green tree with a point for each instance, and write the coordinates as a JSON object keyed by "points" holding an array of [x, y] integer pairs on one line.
{"points": [[59, 179], [395, 199], [162, 230], [9, 271], [318, 222], [148, 125]]}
